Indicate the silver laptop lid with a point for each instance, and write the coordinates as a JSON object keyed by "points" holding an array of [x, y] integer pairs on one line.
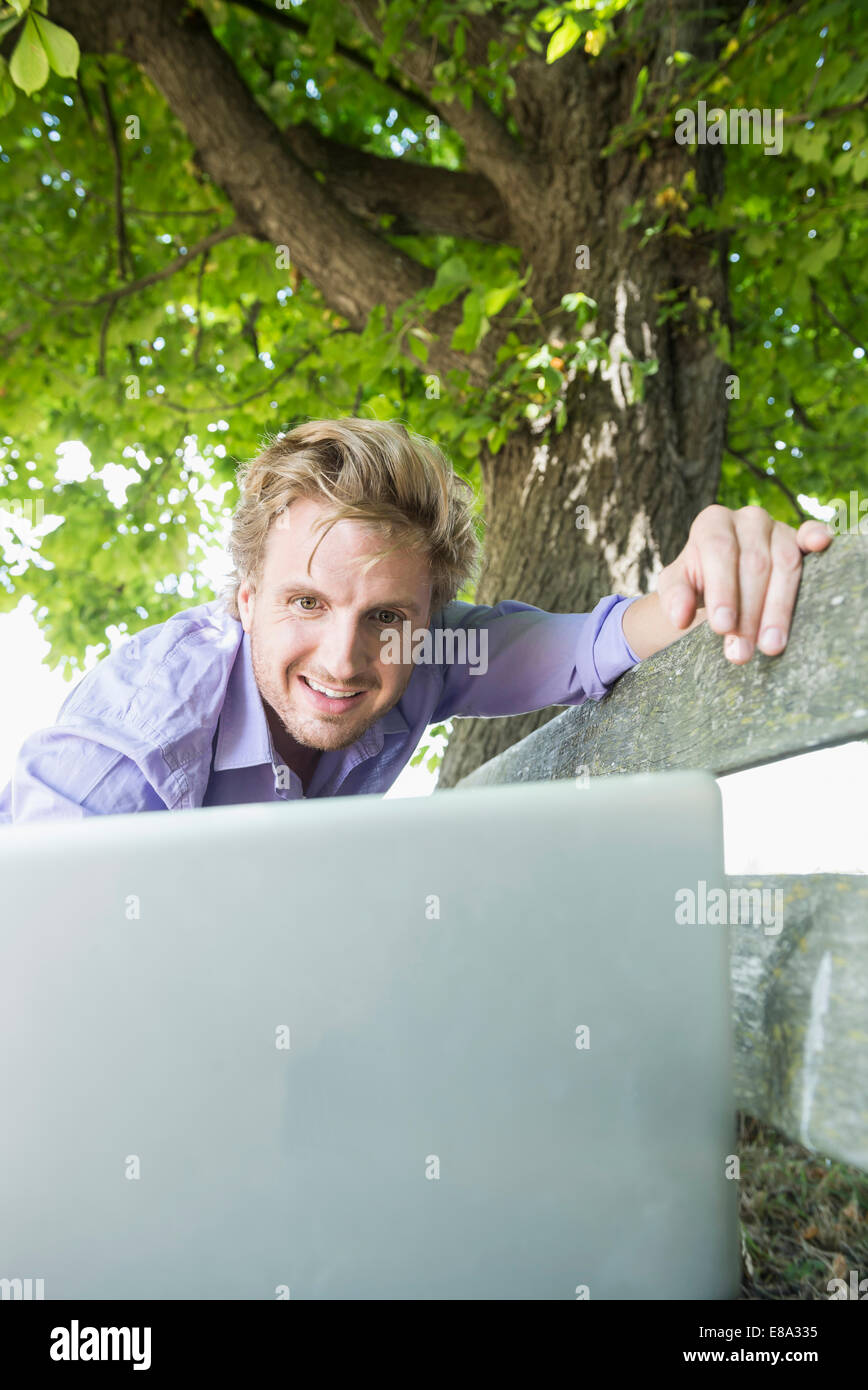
{"points": [[452, 1047]]}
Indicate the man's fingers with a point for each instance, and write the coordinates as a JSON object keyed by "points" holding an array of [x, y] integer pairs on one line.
{"points": [[678, 598], [713, 535], [753, 529], [814, 535], [745, 569], [787, 549], [780, 600]]}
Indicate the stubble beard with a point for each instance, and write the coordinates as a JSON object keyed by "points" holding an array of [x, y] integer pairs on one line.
{"points": [[309, 731]]}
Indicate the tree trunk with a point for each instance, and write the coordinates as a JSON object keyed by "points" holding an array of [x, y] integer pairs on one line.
{"points": [[643, 469]]}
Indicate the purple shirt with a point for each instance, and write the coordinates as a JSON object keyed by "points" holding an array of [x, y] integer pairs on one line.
{"points": [[173, 719]]}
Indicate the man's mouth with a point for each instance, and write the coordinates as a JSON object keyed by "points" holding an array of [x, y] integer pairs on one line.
{"points": [[328, 699]]}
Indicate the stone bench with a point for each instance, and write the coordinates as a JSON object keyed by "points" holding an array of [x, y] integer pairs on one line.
{"points": [[800, 998]]}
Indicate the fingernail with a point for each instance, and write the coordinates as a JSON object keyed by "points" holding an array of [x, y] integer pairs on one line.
{"points": [[724, 617], [771, 640], [737, 648]]}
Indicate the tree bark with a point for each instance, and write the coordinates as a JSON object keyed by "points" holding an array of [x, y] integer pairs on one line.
{"points": [[643, 469]]}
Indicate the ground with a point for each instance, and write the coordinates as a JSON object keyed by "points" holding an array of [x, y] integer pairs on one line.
{"points": [[804, 1218]]}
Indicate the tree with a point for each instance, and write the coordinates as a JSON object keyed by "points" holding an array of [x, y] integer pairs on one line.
{"points": [[609, 320]]}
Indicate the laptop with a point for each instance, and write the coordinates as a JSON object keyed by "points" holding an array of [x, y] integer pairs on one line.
{"points": [[453, 1047]]}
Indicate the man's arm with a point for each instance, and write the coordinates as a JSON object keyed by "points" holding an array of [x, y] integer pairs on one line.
{"points": [[521, 658], [61, 773], [744, 568]]}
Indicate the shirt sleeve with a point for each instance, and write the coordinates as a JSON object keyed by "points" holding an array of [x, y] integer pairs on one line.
{"points": [[516, 658], [62, 773]]}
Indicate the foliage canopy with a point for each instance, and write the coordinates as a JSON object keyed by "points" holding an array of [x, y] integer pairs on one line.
{"points": [[138, 318]]}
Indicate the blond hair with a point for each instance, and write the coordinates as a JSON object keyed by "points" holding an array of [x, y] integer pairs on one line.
{"points": [[375, 471]]}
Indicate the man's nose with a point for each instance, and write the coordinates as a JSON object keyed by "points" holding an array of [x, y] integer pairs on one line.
{"points": [[344, 650]]}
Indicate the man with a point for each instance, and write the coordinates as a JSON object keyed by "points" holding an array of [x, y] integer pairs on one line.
{"points": [[289, 685]]}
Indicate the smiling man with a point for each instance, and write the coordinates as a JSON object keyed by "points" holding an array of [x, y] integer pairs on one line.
{"points": [[347, 532], [316, 651]]}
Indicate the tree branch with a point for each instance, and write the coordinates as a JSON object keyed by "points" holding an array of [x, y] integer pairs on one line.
{"points": [[196, 351], [274, 196], [848, 290], [264, 390], [103, 337], [799, 412], [133, 286], [821, 304], [131, 211], [15, 333], [769, 478], [423, 199], [803, 116], [490, 147], [248, 326], [120, 229]]}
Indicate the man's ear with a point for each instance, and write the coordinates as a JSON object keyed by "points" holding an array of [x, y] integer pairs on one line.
{"points": [[245, 599]]}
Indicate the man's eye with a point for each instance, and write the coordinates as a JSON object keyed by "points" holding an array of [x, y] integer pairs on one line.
{"points": [[386, 616]]}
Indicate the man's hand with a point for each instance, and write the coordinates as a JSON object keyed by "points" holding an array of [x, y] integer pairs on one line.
{"points": [[740, 571]]}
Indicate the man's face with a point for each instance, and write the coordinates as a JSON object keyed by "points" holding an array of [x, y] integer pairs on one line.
{"points": [[325, 627]]}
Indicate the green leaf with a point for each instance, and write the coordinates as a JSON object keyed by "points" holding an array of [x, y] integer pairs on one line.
{"points": [[473, 326], [381, 407], [7, 91], [6, 25], [810, 145], [28, 67], [823, 250], [758, 243], [417, 346], [452, 277], [60, 46], [633, 214], [563, 39], [575, 298], [641, 84], [19, 6], [496, 439], [552, 378], [496, 298], [756, 207], [453, 271], [576, 302]]}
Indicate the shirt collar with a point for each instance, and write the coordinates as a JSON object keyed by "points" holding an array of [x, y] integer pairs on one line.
{"points": [[243, 736]]}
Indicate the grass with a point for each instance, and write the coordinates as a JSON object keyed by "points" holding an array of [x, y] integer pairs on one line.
{"points": [[804, 1218]]}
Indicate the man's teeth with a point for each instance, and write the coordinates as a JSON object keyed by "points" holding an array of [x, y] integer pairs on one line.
{"points": [[333, 694]]}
